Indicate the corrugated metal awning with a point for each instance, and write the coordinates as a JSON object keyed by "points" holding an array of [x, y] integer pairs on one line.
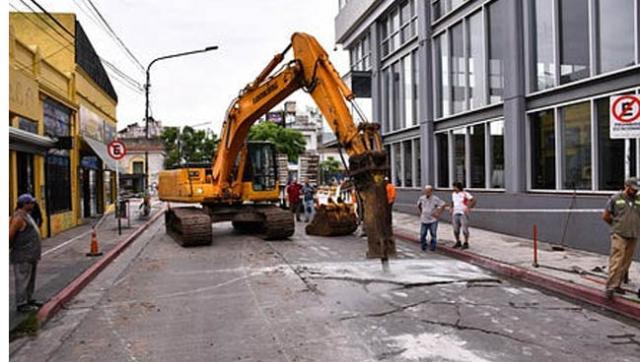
{"points": [[23, 141]]}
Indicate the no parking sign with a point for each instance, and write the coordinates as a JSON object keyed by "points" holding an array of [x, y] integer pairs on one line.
{"points": [[624, 119]]}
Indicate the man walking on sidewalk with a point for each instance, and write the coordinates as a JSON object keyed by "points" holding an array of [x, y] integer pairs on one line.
{"points": [[461, 204], [622, 213], [24, 244], [307, 194], [429, 207]]}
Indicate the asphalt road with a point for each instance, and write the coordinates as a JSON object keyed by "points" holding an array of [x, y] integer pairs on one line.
{"points": [[316, 299]]}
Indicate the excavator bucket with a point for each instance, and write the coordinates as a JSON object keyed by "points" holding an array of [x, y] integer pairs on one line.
{"points": [[333, 220]]}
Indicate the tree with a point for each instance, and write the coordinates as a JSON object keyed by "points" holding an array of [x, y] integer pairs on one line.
{"points": [[287, 140], [188, 145], [330, 166]]}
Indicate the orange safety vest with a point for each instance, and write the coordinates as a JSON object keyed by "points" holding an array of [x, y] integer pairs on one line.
{"points": [[391, 193]]}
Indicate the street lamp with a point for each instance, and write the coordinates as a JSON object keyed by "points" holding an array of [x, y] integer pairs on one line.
{"points": [[146, 97]]}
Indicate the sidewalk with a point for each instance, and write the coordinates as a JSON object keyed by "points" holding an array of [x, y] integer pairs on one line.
{"points": [[574, 273], [63, 256]]}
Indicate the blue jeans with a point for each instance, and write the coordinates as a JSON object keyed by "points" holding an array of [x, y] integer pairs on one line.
{"points": [[308, 210], [431, 228]]}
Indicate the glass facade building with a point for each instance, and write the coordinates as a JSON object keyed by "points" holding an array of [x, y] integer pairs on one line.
{"points": [[511, 98]]}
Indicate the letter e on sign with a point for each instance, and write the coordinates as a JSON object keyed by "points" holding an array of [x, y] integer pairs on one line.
{"points": [[624, 116], [117, 150]]}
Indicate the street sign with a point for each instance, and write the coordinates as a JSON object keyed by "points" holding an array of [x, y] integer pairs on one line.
{"points": [[624, 121], [117, 150]]}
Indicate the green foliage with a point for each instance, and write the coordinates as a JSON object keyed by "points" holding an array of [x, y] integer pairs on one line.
{"points": [[331, 166], [188, 145], [286, 140]]}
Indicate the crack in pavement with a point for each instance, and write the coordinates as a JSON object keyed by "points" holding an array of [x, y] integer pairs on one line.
{"points": [[404, 285], [312, 287]]}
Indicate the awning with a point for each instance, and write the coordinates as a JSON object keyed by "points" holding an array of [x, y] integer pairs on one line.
{"points": [[101, 151], [23, 141]]}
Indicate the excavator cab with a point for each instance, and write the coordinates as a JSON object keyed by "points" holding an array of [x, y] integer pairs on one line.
{"points": [[260, 174]]}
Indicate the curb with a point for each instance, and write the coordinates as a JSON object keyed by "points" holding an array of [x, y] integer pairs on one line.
{"points": [[585, 294], [53, 305]]}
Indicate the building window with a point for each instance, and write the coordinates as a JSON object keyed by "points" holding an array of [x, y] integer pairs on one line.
{"points": [[543, 57], [497, 39], [397, 164], [442, 85], [395, 95], [25, 173], [409, 115], [138, 167], [458, 68], [443, 7], [27, 125], [615, 34], [574, 40], [543, 151], [475, 62], [477, 144], [415, 82], [442, 151], [57, 119], [496, 147], [576, 140], [459, 155], [58, 175], [418, 160], [408, 167], [398, 27], [360, 54]]}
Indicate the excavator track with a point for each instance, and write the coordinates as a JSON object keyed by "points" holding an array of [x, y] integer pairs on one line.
{"points": [[188, 226], [278, 223]]}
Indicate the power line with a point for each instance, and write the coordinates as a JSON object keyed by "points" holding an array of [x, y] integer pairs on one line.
{"points": [[133, 84], [127, 50], [52, 18]]}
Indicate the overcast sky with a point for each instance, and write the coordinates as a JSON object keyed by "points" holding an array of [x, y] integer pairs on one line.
{"points": [[198, 88]]}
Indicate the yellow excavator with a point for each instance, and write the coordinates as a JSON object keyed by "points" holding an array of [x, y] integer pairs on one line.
{"points": [[241, 185]]}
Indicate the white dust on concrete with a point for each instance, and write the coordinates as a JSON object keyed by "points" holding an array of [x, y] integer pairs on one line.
{"points": [[434, 346]]}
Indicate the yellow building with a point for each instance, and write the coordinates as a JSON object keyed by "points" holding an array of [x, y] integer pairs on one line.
{"points": [[62, 113]]}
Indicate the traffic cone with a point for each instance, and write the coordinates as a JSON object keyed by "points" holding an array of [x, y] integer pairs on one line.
{"points": [[94, 245]]}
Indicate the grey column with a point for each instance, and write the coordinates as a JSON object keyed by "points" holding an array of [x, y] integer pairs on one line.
{"points": [[425, 94], [514, 100]]}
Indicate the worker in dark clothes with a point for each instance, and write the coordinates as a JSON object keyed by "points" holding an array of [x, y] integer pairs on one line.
{"points": [[24, 254], [293, 193]]}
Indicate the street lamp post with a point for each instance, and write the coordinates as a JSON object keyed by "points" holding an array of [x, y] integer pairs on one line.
{"points": [[147, 85]]}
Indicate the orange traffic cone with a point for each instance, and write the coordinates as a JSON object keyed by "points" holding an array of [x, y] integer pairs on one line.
{"points": [[94, 245]]}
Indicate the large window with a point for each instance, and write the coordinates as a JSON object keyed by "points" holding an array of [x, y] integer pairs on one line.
{"points": [[398, 27], [443, 89], [400, 92], [458, 69], [477, 139], [459, 156], [497, 48], [615, 34], [477, 156], [443, 7], [397, 164], [562, 150], [475, 45], [57, 119], [496, 147], [576, 140], [545, 68], [611, 152], [58, 175], [442, 151], [574, 40], [417, 157], [360, 54], [543, 152], [407, 153]]}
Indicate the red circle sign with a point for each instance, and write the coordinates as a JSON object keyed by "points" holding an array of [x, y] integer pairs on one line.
{"points": [[631, 103], [117, 150]]}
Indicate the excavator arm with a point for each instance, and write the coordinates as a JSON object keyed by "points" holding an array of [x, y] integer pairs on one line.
{"points": [[312, 71]]}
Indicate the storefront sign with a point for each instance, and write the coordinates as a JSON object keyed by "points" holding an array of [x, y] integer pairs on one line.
{"points": [[23, 95], [624, 116], [275, 117], [91, 125]]}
